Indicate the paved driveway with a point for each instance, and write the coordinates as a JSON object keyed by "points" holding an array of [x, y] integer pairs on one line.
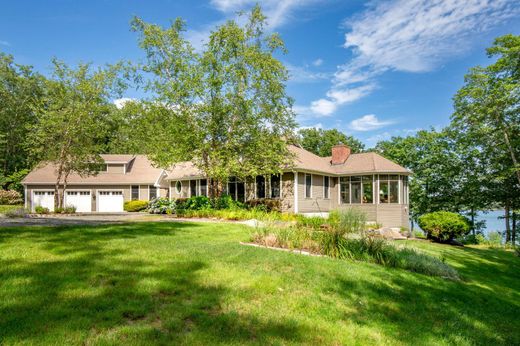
{"points": [[101, 219], [82, 219]]}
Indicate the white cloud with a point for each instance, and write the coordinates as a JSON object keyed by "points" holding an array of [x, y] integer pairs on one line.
{"points": [[120, 103], [318, 62], [338, 97], [411, 36], [369, 122], [386, 135], [278, 12], [303, 74], [4, 43]]}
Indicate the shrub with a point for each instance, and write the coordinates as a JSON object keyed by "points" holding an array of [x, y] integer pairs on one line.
{"points": [[134, 206], [197, 203], [444, 226], [415, 261], [69, 209], [180, 204], [10, 197], [494, 239], [161, 206], [347, 221], [265, 204], [41, 210], [517, 251], [16, 213], [58, 210], [225, 202], [314, 222]]}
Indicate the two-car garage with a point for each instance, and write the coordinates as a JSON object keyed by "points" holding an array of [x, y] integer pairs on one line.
{"points": [[107, 200]]}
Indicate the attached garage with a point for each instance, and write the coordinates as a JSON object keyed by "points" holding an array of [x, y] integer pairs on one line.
{"points": [[43, 199], [82, 200], [110, 201]]}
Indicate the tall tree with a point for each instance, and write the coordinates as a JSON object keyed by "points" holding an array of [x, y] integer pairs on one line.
{"points": [[225, 108], [20, 91], [430, 155], [487, 114], [71, 127], [320, 142]]}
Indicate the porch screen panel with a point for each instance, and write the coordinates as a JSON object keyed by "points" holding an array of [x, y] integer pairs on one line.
{"points": [[355, 187]]}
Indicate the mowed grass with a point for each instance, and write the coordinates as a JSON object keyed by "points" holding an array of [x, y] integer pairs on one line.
{"points": [[193, 283]]}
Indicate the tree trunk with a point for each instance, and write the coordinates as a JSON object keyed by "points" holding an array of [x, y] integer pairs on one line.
{"points": [[513, 233], [508, 226], [472, 221]]}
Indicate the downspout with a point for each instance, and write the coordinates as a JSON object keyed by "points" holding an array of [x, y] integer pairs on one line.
{"points": [[295, 192]]}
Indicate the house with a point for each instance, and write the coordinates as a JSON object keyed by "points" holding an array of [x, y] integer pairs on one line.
{"points": [[124, 178], [313, 184]]}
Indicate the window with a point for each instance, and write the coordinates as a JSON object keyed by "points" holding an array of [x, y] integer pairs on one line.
{"points": [[357, 189], [344, 189], [326, 187], [308, 185], [178, 187], [152, 192], [388, 188], [275, 186], [135, 192], [368, 189], [193, 188], [405, 189], [236, 189], [260, 186], [203, 187]]}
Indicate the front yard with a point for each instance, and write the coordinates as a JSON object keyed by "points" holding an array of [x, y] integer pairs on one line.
{"points": [[193, 283]]}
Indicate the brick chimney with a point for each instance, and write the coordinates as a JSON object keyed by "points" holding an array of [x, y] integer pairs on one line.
{"points": [[340, 154]]}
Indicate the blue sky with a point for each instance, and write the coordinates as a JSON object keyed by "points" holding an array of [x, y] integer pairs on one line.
{"points": [[371, 69]]}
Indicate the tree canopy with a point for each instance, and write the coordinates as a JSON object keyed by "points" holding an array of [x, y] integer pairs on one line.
{"points": [[224, 108], [320, 142]]}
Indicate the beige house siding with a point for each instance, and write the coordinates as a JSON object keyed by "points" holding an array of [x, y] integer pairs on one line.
{"points": [[115, 168], [317, 202]]}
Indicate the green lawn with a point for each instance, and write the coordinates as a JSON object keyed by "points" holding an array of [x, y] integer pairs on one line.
{"points": [[5, 208], [193, 283]]}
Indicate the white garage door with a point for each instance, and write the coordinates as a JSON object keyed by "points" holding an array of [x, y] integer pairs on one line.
{"points": [[110, 201], [43, 199], [79, 199]]}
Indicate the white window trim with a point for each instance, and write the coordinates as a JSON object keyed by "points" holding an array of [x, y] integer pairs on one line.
{"points": [[305, 185], [138, 192], [328, 187], [295, 192], [178, 191]]}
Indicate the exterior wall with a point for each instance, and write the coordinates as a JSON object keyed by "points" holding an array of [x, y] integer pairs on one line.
{"points": [[317, 202], [93, 191], [115, 168], [185, 189]]}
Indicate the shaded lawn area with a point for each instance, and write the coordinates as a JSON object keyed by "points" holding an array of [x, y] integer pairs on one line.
{"points": [[193, 283]]}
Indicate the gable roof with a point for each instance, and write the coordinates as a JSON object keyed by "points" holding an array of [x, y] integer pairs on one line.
{"points": [[304, 160], [139, 170]]}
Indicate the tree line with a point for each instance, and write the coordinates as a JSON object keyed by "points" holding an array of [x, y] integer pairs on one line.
{"points": [[226, 108]]}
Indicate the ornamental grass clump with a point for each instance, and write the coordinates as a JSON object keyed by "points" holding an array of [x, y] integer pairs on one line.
{"points": [[341, 224]]}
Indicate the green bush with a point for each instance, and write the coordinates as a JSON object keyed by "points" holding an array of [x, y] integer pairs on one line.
{"points": [[444, 226], [10, 197], [197, 203], [265, 204], [226, 202], [517, 251], [348, 221], [41, 210], [415, 261], [494, 239], [161, 205], [134, 206], [69, 209]]}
